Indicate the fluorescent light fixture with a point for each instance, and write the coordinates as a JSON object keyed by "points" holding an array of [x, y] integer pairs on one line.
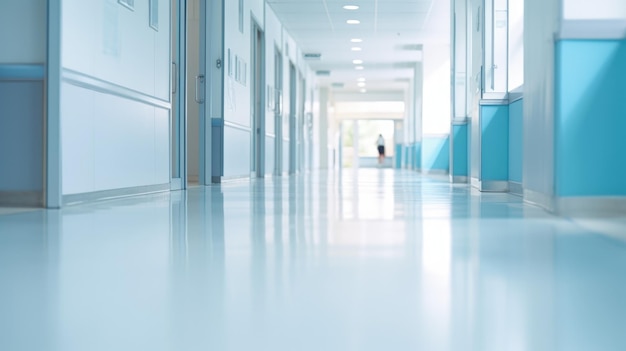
{"points": [[361, 85], [356, 48], [357, 62], [359, 68], [353, 21], [351, 7], [356, 40], [361, 79]]}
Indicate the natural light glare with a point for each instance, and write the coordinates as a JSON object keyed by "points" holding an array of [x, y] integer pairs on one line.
{"points": [[436, 274], [516, 44], [436, 106], [436, 248], [379, 107]]}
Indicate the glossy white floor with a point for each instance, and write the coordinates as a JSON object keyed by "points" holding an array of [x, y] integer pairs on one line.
{"points": [[374, 260]]}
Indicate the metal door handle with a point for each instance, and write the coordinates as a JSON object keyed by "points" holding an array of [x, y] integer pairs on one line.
{"points": [[174, 78], [199, 82]]}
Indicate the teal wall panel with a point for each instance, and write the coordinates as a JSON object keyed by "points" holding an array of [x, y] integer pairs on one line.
{"points": [[21, 135], [590, 118], [417, 150], [435, 153], [494, 142], [516, 128], [398, 156], [460, 160]]}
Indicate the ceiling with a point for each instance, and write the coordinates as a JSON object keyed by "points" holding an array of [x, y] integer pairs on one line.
{"points": [[393, 32]]}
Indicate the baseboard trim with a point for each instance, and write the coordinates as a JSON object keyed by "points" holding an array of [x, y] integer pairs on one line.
{"points": [[435, 172], [490, 186], [540, 199], [75, 199], [459, 179], [602, 206], [516, 188], [21, 198], [230, 179]]}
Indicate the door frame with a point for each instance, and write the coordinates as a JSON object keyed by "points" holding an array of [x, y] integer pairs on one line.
{"points": [[293, 110], [178, 77], [278, 110], [257, 98]]}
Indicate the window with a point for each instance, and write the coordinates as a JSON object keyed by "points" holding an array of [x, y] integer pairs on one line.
{"points": [[516, 44], [496, 46]]}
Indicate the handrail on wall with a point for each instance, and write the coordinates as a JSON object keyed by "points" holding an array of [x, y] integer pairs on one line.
{"points": [[21, 72]]}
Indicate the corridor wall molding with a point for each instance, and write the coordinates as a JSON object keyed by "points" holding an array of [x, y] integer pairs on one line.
{"points": [[83, 80]]}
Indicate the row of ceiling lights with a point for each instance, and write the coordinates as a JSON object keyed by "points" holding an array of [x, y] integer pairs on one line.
{"points": [[358, 63]]}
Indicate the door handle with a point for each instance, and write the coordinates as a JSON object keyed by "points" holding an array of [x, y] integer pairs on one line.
{"points": [[174, 78], [199, 84]]}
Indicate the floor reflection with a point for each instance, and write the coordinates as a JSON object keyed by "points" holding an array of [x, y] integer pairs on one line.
{"points": [[373, 260]]}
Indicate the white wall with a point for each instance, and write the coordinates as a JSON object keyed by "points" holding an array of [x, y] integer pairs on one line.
{"points": [[460, 58], [320, 128], [474, 83], [596, 10], [237, 110], [436, 89], [602, 19], [115, 96], [103, 39], [23, 31], [237, 96], [290, 52], [124, 145], [540, 24]]}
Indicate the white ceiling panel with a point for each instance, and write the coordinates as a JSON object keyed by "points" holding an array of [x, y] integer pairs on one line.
{"points": [[391, 31]]}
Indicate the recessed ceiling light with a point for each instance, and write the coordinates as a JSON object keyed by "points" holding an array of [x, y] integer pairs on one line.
{"points": [[356, 48], [359, 68], [351, 7], [361, 84], [363, 90], [356, 40], [357, 62], [353, 21]]}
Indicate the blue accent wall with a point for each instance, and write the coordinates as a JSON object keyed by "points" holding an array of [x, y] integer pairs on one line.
{"points": [[398, 156], [417, 149], [21, 135], [516, 128], [590, 118], [435, 153], [494, 142], [460, 158]]}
